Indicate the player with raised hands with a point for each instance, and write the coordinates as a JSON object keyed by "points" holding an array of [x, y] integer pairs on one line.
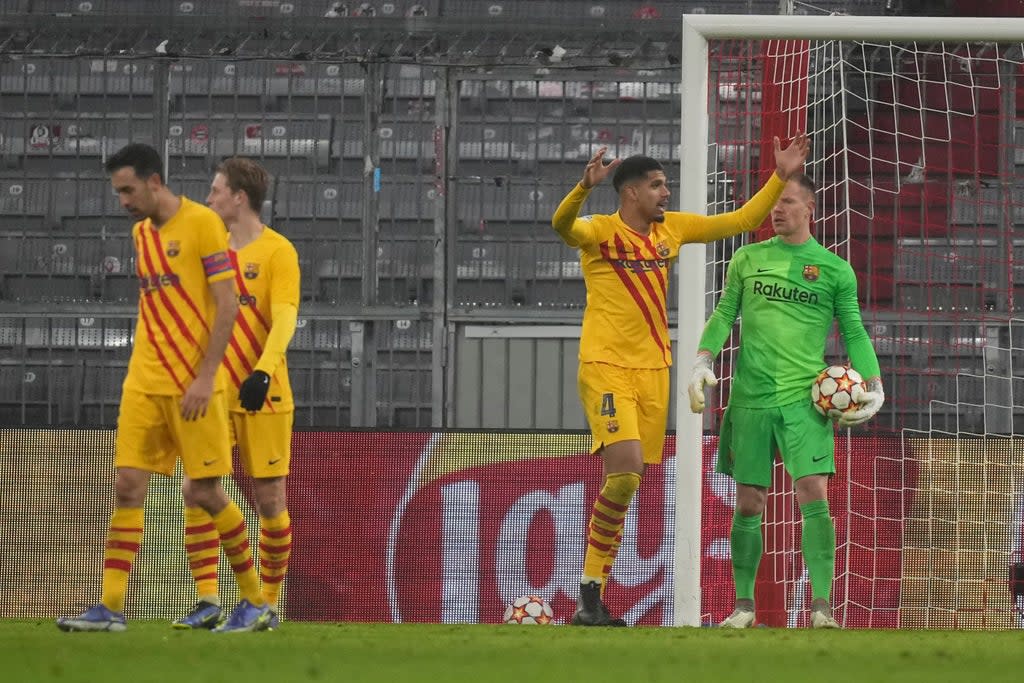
{"points": [[625, 351]]}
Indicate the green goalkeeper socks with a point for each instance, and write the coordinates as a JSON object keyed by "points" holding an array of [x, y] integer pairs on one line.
{"points": [[819, 548], [747, 545]]}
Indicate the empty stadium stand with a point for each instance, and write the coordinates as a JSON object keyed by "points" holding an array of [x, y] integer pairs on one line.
{"points": [[370, 155]]}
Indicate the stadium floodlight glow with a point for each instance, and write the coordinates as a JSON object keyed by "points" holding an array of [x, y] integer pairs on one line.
{"points": [[692, 269]]}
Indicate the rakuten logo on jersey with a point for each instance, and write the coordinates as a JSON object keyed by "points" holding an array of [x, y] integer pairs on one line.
{"points": [[773, 291]]}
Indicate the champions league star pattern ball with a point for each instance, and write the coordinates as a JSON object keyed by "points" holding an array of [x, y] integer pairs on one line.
{"points": [[833, 392], [529, 609]]}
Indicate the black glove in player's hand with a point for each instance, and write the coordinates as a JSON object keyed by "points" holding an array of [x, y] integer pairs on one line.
{"points": [[253, 391]]}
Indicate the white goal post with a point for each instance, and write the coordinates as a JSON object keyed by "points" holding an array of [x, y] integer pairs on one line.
{"points": [[697, 30]]}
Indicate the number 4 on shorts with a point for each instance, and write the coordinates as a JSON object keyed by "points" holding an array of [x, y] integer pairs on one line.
{"points": [[608, 405]]}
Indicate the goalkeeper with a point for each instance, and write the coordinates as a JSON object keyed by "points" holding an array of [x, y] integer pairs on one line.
{"points": [[787, 290], [267, 279]]}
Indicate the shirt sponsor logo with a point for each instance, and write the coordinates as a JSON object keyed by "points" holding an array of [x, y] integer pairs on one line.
{"points": [[773, 291], [641, 265], [246, 300], [151, 283]]}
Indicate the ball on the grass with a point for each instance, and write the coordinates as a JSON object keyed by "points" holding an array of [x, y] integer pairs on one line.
{"points": [[529, 609]]}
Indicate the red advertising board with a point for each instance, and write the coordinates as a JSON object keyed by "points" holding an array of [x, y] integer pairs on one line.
{"points": [[452, 526]]}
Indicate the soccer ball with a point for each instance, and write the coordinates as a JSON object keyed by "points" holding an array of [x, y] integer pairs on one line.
{"points": [[833, 391], [529, 609]]}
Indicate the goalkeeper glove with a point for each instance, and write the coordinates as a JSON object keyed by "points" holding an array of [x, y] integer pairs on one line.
{"points": [[870, 401], [253, 391], [701, 376]]}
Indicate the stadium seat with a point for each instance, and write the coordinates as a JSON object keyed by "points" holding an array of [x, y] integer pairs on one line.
{"points": [[74, 143], [481, 259], [407, 387], [104, 337], [101, 391], [403, 257], [39, 392], [403, 139], [405, 336], [322, 204], [338, 274], [479, 202], [477, 293], [533, 203], [940, 159], [348, 139], [296, 143], [407, 198], [984, 205], [321, 382], [945, 298], [941, 261]]}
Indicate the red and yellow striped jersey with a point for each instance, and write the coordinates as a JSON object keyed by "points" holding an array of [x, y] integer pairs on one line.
{"points": [[625, 322], [266, 274], [174, 264]]}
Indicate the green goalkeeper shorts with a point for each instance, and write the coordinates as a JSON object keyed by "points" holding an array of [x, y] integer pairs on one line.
{"points": [[750, 437]]}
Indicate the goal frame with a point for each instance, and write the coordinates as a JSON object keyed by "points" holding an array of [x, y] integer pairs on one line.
{"points": [[697, 30]]}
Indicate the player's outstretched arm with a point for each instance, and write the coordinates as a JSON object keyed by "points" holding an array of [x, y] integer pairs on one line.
{"points": [[790, 161], [564, 220]]}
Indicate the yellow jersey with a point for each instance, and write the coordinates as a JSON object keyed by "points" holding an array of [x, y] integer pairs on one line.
{"points": [[266, 274], [625, 321], [175, 264]]}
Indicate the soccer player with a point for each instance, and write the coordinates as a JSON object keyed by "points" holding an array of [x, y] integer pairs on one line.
{"points": [[173, 405], [788, 290], [266, 269], [624, 347]]}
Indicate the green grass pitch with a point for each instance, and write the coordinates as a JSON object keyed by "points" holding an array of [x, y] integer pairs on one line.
{"points": [[35, 651]]}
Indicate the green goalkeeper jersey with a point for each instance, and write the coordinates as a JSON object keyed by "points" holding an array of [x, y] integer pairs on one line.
{"points": [[786, 297]]}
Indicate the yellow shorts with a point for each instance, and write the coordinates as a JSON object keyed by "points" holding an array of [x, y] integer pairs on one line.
{"points": [[264, 442], [152, 435], [626, 403]]}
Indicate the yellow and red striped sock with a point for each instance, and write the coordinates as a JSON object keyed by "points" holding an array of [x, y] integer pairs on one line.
{"points": [[124, 536], [275, 547], [613, 552], [235, 539], [202, 544], [606, 522]]}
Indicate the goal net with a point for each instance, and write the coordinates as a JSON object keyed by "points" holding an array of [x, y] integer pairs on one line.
{"points": [[917, 150]]}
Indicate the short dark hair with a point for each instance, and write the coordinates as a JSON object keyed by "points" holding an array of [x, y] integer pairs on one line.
{"points": [[805, 181], [143, 159], [634, 168], [242, 173]]}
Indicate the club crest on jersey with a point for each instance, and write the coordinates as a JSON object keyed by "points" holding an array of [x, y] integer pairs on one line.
{"points": [[252, 271], [173, 248], [662, 249], [811, 273], [613, 426]]}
